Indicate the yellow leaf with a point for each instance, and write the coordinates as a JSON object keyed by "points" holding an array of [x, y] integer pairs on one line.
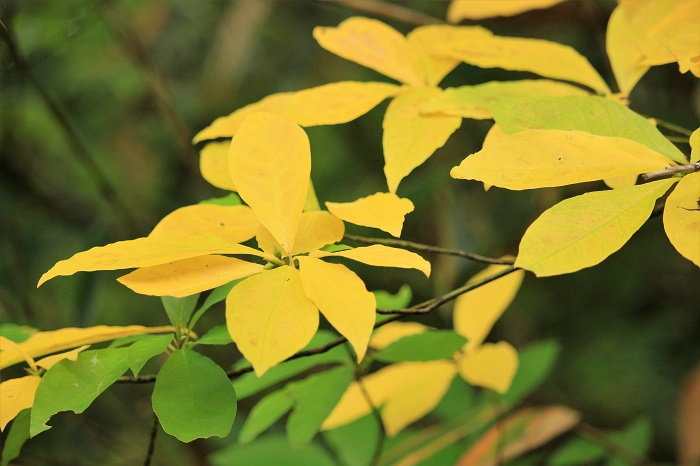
{"points": [[235, 224], [188, 276], [694, 142], [311, 202], [621, 181], [385, 211], [48, 362], [382, 256], [492, 365], [270, 163], [542, 158], [317, 229], [474, 101], [476, 311], [270, 317], [213, 163], [582, 231], [423, 39], [389, 333], [16, 395], [9, 350], [53, 341], [480, 9], [541, 57], [622, 46], [411, 138], [342, 298], [375, 45], [145, 252], [682, 217]]}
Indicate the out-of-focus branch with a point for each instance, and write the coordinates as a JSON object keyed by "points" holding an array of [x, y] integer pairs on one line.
{"points": [[385, 10]]}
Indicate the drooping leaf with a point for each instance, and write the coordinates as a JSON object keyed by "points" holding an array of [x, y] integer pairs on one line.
{"points": [[344, 441], [342, 298], [400, 299], [232, 223], [215, 336], [383, 256], [272, 449], [423, 39], [16, 352], [543, 158], [636, 438], [146, 348], [74, 385], [491, 365], [49, 361], [582, 231], [577, 451], [317, 229], [689, 419], [16, 437], [480, 9], [682, 217], [270, 317], [385, 211], [193, 398], [270, 164], [179, 310], [592, 114], [16, 395], [213, 164], [427, 346], [395, 331], [265, 413], [410, 137], [375, 45]]}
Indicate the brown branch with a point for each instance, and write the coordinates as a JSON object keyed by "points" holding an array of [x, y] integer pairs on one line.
{"points": [[670, 171], [386, 10]]}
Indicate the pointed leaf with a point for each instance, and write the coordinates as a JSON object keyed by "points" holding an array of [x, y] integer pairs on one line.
{"points": [[193, 397], [423, 39], [345, 439], [395, 331], [16, 437], [179, 310], [213, 164], [622, 45], [385, 211], [265, 413], [480, 9], [15, 352], [270, 163], [682, 217], [410, 138], [383, 256], [317, 229], [427, 346], [16, 395], [270, 317], [49, 361], [398, 300], [215, 336], [375, 45], [235, 224], [145, 349], [74, 385], [342, 298], [582, 231], [543, 158], [491, 365]]}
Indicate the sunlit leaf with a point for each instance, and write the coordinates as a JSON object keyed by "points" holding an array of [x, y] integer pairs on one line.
{"points": [[394, 331], [270, 163], [423, 39], [193, 398], [266, 412], [16, 395], [383, 256], [342, 298], [398, 300], [476, 101], [270, 317], [215, 336], [213, 164], [694, 142], [480, 9], [229, 200], [15, 332], [542, 158], [49, 361], [234, 224], [143, 350], [317, 229], [15, 352], [385, 211], [682, 217], [582, 231], [375, 45], [491, 365], [410, 138], [622, 45], [16, 437], [426, 346]]}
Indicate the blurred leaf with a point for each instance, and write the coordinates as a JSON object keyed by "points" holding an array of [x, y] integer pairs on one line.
{"points": [[217, 295], [635, 438], [689, 420], [49, 361], [394, 331], [179, 310], [146, 348], [577, 451], [682, 219], [266, 412], [230, 199], [427, 346], [16, 437], [16, 333], [382, 256], [399, 300], [273, 449], [215, 336], [480, 9], [385, 211], [16, 395], [536, 361], [491, 365], [347, 439]]}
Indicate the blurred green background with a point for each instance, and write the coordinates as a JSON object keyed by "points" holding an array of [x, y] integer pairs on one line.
{"points": [[98, 103]]}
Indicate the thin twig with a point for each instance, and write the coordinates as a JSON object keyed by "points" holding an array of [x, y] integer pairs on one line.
{"points": [[152, 442], [427, 248], [386, 10], [678, 139], [672, 127], [670, 171], [601, 438]]}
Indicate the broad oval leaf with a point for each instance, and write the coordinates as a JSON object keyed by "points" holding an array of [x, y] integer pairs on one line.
{"points": [[385, 211], [582, 231], [480, 9], [382, 256], [317, 229], [146, 348], [193, 398], [682, 217], [16, 437], [270, 317], [16, 395], [270, 164], [266, 412], [491, 365], [430, 345], [235, 224], [398, 300], [213, 164]]}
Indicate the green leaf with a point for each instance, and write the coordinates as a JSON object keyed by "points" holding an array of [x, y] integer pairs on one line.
{"points": [[73, 385], [427, 346], [217, 295], [344, 440], [535, 363], [215, 336], [16, 437], [577, 451], [315, 397], [271, 450], [193, 397], [16, 333], [636, 437], [179, 310], [228, 200], [592, 114], [399, 300], [146, 348], [268, 411]]}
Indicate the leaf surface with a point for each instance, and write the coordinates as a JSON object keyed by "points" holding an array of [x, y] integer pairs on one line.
{"points": [[430, 345], [423, 39], [682, 217], [16, 395], [395, 331], [213, 164], [385, 211], [383, 256], [480, 9], [269, 450], [16, 437], [317, 229], [491, 365], [266, 412], [146, 348], [235, 224], [49, 361]]}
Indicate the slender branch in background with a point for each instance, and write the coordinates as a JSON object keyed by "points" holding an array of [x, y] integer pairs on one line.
{"points": [[385, 10], [79, 150], [426, 248], [678, 139], [381, 438], [601, 438], [497, 407], [672, 126], [152, 442], [670, 171]]}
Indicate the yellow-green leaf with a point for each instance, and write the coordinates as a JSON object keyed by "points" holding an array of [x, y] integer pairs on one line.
{"points": [[317, 229], [53, 341], [382, 256], [682, 217], [16, 395], [188, 276], [476, 311], [232, 223], [694, 142], [385, 211], [492, 365], [270, 317], [410, 138], [394, 331], [542, 158], [48, 362], [582, 231], [270, 164], [213, 164], [375, 45], [475, 101], [423, 39], [480, 9], [342, 298]]}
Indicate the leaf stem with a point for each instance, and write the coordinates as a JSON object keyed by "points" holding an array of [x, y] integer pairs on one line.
{"points": [[386, 10], [670, 171], [673, 127], [152, 442]]}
